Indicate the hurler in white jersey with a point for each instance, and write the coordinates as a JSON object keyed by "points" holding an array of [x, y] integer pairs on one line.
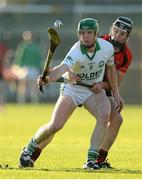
{"points": [[87, 60], [90, 66]]}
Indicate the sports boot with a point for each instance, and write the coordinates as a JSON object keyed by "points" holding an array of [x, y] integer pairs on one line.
{"points": [[26, 160], [104, 165], [91, 165]]}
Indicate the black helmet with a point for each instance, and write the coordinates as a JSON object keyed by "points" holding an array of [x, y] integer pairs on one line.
{"points": [[124, 23]]}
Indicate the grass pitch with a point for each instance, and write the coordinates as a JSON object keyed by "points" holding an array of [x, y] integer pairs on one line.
{"points": [[64, 157]]}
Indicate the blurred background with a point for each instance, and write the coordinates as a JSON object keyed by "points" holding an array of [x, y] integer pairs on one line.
{"points": [[19, 18]]}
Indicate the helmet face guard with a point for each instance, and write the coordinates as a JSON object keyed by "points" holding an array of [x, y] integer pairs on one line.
{"points": [[124, 23]]}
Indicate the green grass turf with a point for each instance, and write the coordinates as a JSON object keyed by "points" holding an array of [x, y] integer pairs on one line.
{"points": [[64, 157]]}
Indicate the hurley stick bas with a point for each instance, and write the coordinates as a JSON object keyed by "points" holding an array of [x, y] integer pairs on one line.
{"points": [[54, 41]]}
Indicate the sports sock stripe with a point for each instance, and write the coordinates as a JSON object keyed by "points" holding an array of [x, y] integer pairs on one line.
{"points": [[92, 154], [30, 148]]}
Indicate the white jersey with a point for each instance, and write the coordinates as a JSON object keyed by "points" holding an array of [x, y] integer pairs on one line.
{"points": [[90, 66]]}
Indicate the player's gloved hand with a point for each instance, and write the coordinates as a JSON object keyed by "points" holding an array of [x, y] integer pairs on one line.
{"points": [[119, 100], [97, 87], [41, 82]]}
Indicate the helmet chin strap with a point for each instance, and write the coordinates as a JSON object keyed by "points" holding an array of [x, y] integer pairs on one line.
{"points": [[90, 45], [116, 43]]}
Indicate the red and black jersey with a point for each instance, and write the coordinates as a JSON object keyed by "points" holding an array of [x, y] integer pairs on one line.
{"points": [[123, 58]]}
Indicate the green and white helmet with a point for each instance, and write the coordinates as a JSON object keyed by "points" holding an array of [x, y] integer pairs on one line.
{"points": [[88, 24]]}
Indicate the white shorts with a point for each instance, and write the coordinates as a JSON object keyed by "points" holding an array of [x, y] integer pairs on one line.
{"points": [[79, 94]]}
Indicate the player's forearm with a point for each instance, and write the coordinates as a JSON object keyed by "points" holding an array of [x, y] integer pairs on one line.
{"points": [[57, 72], [106, 85], [120, 76], [112, 79]]}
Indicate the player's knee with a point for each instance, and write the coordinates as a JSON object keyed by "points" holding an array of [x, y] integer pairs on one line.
{"points": [[104, 118], [120, 120]]}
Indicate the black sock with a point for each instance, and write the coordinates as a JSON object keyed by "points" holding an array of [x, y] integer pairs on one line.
{"points": [[102, 156], [36, 154]]}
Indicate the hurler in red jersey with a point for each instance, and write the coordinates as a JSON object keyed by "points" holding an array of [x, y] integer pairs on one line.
{"points": [[120, 32]]}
